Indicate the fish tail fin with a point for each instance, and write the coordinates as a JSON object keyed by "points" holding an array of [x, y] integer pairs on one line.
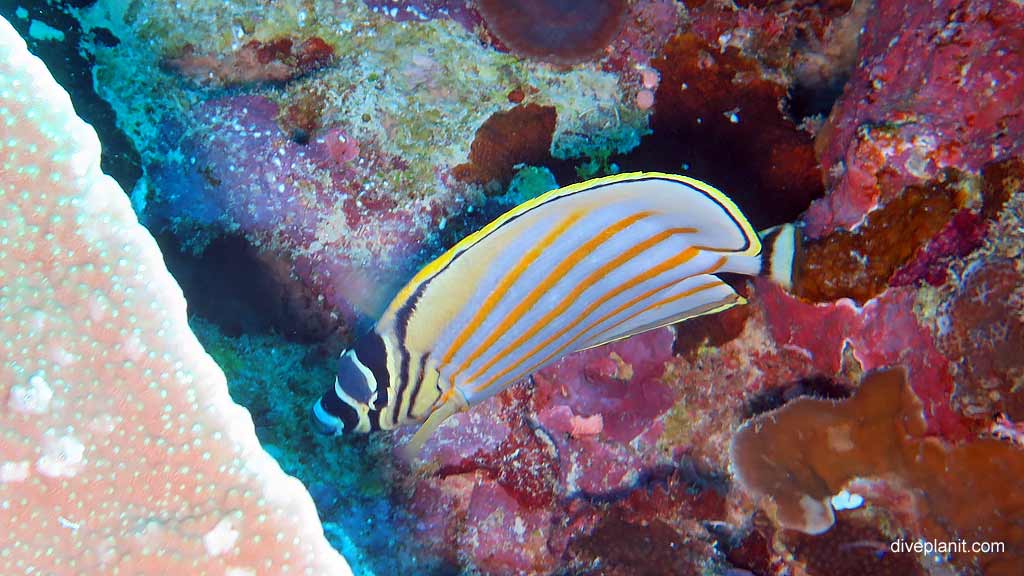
{"points": [[779, 246]]}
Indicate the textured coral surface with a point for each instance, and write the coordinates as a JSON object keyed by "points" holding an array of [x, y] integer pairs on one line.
{"points": [[936, 86], [556, 32], [121, 449]]}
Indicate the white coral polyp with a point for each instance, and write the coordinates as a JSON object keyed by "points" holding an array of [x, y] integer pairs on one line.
{"points": [[61, 457], [33, 397]]}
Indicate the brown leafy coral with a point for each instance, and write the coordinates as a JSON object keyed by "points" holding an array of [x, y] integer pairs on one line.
{"points": [[521, 135], [553, 31], [807, 451]]}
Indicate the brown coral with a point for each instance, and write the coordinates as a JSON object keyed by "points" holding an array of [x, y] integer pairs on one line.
{"points": [[985, 338], [858, 264], [999, 181], [619, 547], [803, 453], [558, 32], [853, 547], [521, 135]]}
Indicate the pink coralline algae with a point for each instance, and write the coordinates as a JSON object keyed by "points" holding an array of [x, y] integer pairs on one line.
{"points": [[509, 468], [937, 85], [648, 25], [309, 205], [885, 332]]}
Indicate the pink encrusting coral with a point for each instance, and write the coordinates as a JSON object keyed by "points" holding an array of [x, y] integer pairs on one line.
{"points": [[557, 472], [937, 86], [121, 449], [509, 468], [317, 206], [885, 332]]}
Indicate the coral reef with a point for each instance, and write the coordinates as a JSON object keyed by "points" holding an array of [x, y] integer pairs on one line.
{"points": [[853, 546], [654, 527], [699, 100], [335, 146], [278, 60], [935, 88], [521, 135], [859, 265], [840, 338], [350, 483], [350, 144], [306, 211], [987, 308], [122, 450]]}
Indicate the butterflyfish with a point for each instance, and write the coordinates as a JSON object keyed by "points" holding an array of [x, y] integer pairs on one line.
{"points": [[572, 269]]}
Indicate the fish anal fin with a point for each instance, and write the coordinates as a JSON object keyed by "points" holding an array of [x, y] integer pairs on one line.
{"points": [[728, 300], [450, 404]]}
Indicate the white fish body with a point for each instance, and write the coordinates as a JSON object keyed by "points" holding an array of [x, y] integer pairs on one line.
{"points": [[575, 268]]}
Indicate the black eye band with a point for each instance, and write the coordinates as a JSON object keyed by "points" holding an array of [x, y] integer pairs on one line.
{"points": [[372, 353], [352, 380]]}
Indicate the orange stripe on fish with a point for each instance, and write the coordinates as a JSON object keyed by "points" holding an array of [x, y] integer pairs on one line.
{"points": [[506, 282], [557, 274], [654, 273]]}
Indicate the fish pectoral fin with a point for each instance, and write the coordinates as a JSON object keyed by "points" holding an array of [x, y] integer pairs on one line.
{"points": [[453, 403]]}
